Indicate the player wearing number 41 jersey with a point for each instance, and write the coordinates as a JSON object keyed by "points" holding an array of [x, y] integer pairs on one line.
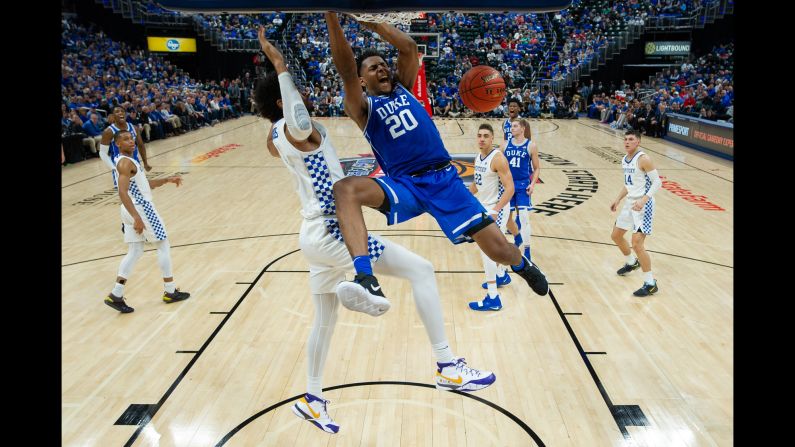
{"points": [[419, 177], [522, 156]]}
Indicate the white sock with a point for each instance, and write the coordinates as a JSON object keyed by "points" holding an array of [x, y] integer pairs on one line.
{"points": [[631, 259], [490, 267], [314, 387], [400, 262], [492, 288], [118, 290], [443, 352], [319, 341], [169, 286], [648, 277]]}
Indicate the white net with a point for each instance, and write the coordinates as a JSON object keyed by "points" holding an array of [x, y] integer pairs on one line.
{"points": [[392, 18]]}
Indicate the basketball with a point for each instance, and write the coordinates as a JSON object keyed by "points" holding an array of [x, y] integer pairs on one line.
{"points": [[482, 88]]}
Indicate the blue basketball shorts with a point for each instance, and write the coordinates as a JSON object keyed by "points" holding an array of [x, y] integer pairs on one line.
{"points": [[520, 199], [441, 194]]}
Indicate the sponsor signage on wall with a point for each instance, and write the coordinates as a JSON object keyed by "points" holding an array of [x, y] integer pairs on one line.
{"points": [[668, 48], [172, 44], [709, 135]]}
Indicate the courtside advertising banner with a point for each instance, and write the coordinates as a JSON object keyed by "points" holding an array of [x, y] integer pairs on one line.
{"points": [[714, 137]]}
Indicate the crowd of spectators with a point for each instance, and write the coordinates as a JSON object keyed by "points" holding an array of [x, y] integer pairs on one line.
{"points": [[99, 74], [243, 26], [520, 46], [702, 88]]}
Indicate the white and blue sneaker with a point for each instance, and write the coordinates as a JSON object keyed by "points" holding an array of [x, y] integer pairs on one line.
{"points": [[363, 294], [457, 376], [503, 280], [487, 303], [313, 409]]}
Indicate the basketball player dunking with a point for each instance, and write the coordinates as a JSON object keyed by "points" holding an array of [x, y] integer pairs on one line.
{"points": [[641, 181], [304, 147], [419, 177]]}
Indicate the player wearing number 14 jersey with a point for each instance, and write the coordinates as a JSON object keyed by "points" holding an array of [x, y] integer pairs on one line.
{"points": [[419, 177], [641, 181]]}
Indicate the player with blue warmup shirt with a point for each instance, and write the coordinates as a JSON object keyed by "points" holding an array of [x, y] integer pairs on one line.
{"points": [[419, 177], [522, 155], [109, 151]]}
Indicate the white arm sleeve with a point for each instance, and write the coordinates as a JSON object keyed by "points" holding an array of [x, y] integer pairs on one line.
{"points": [[103, 155], [295, 114], [656, 183]]}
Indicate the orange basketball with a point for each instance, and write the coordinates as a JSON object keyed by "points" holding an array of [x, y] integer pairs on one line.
{"points": [[482, 88]]}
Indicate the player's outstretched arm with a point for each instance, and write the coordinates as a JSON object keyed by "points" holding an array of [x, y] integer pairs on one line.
{"points": [[342, 54], [296, 115], [408, 63], [175, 179], [104, 146]]}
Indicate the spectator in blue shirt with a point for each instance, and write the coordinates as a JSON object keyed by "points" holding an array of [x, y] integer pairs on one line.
{"points": [[93, 129], [532, 109], [442, 104]]}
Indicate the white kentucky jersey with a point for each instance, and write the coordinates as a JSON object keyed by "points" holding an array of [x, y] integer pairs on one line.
{"points": [[314, 172], [636, 181], [114, 150], [490, 188], [139, 189]]}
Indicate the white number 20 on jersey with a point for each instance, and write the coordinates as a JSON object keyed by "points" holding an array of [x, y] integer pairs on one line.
{"points": [[403, 119]]}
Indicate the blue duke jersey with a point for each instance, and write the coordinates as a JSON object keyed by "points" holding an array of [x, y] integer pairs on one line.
{"points": [[114, 150], [506, 130], [519, 160], [402, 135]]}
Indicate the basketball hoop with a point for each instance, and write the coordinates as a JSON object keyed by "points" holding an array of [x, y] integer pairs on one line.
{"points": [[392, 18]]}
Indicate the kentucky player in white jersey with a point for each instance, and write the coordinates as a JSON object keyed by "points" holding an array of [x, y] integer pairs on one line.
{"points": [[419, 177], [641, 182], [304, 147], [141, 223], [493, 186], [522, 155], [109, 151]]}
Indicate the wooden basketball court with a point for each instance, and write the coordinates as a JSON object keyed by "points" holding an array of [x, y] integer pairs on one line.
{"points": [[588, 365]]}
